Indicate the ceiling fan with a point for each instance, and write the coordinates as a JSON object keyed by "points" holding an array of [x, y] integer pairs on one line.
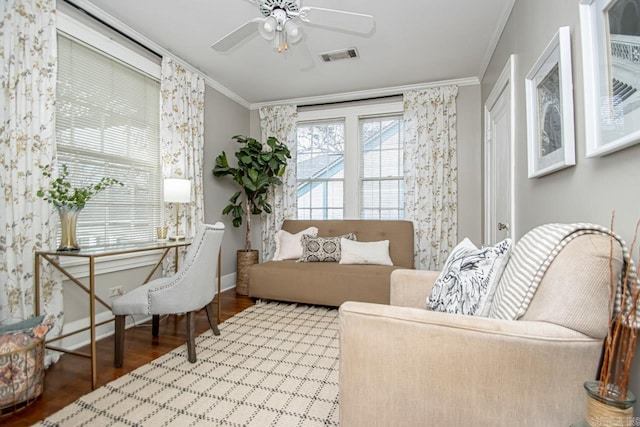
{"points": [[280, 24]]}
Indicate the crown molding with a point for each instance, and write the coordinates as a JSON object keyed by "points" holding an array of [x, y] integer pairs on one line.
{"points": [[495, 39], [364, 94], [125, 29]]}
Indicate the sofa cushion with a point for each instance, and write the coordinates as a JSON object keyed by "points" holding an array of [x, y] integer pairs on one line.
{"points": [[323, 249], [370, 253], [469, 279], [289, 246], [399, 234]]}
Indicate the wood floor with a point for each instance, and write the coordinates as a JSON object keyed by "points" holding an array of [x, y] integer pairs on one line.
{"points": [[70, 378]]}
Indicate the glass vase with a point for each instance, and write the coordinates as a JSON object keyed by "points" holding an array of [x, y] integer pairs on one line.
{"points": [[605, 406], [68, 222]]}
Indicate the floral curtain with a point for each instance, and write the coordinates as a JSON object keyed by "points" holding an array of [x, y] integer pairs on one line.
{"points": [[430, 171], [280, 121], [28, 65], [182, 143]]}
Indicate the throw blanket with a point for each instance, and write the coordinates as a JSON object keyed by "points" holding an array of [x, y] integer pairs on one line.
{"points": [[532, 256]]}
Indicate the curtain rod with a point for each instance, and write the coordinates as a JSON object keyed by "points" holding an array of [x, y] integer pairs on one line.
{"points": [[373, 98], [111, 27]]}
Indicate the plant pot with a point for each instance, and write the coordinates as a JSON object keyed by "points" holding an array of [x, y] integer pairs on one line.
{"points": [[68, 222], [608, 410], [244, 261]]}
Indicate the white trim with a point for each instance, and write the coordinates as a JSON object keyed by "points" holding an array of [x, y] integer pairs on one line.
{"points": [[122, 27], [79, 340], [507, 78], [85, 34], [79, 267], [365, 94], [495, 39]]}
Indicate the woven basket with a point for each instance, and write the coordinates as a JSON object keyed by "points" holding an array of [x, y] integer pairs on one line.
{"points": [[244, 261], [22, 373]]}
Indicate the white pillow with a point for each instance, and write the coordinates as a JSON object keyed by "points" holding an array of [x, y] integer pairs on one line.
{"points": [[289, 246], [354, 252], [469, 279]]}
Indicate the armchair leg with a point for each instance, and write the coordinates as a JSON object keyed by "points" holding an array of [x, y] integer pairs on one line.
{"points": [[118, 348], [212, 318], [155, 325], [191, 339]]}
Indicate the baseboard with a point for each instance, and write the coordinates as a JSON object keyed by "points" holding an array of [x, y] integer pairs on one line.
{"points": [[81, 339]]}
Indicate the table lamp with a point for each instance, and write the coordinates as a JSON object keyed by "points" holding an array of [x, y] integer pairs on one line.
{"points": [[177, 191]]}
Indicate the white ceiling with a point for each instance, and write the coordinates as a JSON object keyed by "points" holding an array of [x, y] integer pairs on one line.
{"points": [[415, 42]]}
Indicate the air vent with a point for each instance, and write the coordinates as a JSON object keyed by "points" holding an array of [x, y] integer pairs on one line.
{"points": [[337, 55]]}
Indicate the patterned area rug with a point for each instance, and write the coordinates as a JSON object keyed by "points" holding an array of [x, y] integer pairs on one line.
{"points": [[273, 365]]}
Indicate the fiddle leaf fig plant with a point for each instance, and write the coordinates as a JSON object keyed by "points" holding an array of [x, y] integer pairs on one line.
{"points": [[258, 170]]}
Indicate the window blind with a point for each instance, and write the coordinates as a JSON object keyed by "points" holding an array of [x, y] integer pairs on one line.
{"points": [[381, 168], [108, 124]]}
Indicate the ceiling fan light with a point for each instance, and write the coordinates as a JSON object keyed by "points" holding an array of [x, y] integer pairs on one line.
{"points": [[268, 28], [294, 32]]}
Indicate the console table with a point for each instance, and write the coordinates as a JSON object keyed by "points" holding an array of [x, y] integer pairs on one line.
{"points": [[91, 254]]}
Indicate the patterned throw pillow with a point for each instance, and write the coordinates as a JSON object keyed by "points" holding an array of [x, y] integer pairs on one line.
{"points": [[323, 249], [469, 279]]}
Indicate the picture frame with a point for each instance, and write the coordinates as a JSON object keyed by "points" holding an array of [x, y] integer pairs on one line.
{"points": [[611, 66], [549, 95]]}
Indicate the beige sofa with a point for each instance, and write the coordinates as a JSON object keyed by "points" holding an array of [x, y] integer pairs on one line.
{"points": [[331, 283], [401, 365]]}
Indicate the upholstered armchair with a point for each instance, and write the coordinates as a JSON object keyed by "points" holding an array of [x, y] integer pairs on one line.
{"points": [[402, 365], [189, 290]]}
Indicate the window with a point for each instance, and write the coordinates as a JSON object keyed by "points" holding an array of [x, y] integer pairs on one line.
{"points": [[108, 125], [349, 163], [320, 170], [382, 181]]}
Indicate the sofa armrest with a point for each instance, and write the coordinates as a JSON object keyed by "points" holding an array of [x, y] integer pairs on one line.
{"points": [[410, 288], [406, 367]]}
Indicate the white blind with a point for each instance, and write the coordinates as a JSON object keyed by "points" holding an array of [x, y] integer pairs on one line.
{"points": [[108, 125], [382, 170]]}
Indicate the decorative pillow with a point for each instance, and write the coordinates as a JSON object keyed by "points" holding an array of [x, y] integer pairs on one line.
{"points": [[289, 246], [323, 249], [365, 252], [469, 279]]}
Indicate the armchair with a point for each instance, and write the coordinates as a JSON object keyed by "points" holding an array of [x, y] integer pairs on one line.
{"points": [[402, 365], [190, 289]]}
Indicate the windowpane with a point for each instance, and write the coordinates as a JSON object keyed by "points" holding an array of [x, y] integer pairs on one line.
{"points": [[320, 169], [108, 123], [382, 174]]}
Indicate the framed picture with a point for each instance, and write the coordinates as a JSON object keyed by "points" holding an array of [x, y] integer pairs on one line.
{"points": [[549, 90], [611, 56]]}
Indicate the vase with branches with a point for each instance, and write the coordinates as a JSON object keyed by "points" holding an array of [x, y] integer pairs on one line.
{"points": [[70, 200], [609, 400]]}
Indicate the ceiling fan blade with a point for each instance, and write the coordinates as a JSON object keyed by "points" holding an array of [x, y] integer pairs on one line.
{"points": [[303, 56], [238, 35], [357, 23]]}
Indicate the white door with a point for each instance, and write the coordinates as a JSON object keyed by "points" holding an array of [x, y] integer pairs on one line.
{"points": [[499, 215]]}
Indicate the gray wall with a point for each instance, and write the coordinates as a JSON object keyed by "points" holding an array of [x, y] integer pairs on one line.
{"points": [[224, 118], [589, 191], [469, 160]]}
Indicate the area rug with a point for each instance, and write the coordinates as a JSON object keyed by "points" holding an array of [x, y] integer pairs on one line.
{"points": [[272, 365]]}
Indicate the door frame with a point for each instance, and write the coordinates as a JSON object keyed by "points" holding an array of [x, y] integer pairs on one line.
{"points": [[506, 81]]}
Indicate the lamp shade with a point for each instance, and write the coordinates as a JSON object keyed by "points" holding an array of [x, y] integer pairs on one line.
{"points": [[177, 190]]}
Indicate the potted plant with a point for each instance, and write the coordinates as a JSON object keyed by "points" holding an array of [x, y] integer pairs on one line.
{"points": [[258, 170], [69, 201]]}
